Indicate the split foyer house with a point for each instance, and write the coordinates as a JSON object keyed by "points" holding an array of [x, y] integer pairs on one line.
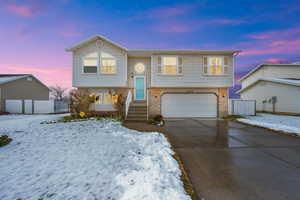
{"points": [[275, 87], [171, 83]]}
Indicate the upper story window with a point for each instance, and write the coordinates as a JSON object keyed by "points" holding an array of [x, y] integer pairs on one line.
{"points": [[90, 63], [108, 63], [139, 68], [104, 61], [170, 65], [215, 65]]}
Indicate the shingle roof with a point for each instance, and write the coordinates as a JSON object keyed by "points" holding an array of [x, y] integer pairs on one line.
{"points": [[148, 51], [6, 78], [267, 64]]}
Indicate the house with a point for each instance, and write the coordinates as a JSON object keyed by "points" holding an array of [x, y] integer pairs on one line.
{"points": [[275, 87], [173, 83], [21, 87]]}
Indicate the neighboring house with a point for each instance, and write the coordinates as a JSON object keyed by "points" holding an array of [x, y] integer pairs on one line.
{"points": [[275, 87], [21, 87], [173, 83]]}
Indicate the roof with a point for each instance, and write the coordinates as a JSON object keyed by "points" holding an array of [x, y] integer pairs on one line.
{"points": [[94, 38], [147, 52], [6, 78], [267, 64], [294, 82]]}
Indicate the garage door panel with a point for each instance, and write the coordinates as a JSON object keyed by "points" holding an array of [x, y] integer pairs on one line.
{"points": [[189, 105]]}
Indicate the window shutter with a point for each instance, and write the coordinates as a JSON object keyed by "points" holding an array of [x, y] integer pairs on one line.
{"points": [[180, 66], [205, 65], [226, 65], [159, 65]]}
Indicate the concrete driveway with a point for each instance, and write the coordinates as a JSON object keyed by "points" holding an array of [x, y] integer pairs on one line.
{"points": [[232, 161]]}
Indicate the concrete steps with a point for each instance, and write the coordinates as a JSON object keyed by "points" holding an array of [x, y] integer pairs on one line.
{"points": [[137, 111]]}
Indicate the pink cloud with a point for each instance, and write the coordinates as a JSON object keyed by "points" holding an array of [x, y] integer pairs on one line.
{"points": [[57, 76], [274, 60], [70, 33], [21, 10], [276, 34], [32, 69], [172, 27], [167, 12], [228, 21], [274, 47]]}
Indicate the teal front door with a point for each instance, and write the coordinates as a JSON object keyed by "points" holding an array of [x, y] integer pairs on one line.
{"points": [[140, 88]]}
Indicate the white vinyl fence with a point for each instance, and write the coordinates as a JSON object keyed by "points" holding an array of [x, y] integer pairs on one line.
{"points": [[14, 106], [242, 107], [29, 106], [43, 107]]}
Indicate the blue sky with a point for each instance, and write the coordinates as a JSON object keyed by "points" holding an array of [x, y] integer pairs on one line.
{"points": [[34, 33]]}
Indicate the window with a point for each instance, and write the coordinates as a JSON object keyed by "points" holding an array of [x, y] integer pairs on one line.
{"points": [[105, 98], [139, 68], [97, 98], [108, 63], [90, 66], [215, 65], [169, 65]]}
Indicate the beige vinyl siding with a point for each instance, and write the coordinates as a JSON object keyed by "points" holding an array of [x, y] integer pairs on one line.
{"points": [[192, 74], [287, 96], [100, 80]]}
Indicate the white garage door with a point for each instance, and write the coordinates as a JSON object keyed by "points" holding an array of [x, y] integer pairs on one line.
{"points": [[189, 105]]}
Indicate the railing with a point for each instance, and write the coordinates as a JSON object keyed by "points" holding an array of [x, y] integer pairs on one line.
{"points": [[127, 103]]}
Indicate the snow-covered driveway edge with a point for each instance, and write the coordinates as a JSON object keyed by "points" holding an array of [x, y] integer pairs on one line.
{"points": [[278, 123]]}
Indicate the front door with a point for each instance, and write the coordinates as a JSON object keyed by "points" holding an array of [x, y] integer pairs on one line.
{"points": [[139, 88]]}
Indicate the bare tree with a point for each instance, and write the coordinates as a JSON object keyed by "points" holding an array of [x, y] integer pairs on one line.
{"points": [[58, 92]]}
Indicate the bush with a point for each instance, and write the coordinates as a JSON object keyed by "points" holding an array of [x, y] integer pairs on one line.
{"points": [[80, 101], [158, 118], [4, 140]]}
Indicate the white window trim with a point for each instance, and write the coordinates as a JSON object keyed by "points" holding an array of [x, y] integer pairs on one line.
{"points": [[209, 69], [82, 66], [99, 64], [177, 66], [102, 98]]}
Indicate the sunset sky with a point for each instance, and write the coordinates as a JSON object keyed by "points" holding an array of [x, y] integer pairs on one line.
{"points": [[35, 33]]}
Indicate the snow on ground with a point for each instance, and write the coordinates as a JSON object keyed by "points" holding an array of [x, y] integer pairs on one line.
{"points": [[289, 124], [87, 160]]}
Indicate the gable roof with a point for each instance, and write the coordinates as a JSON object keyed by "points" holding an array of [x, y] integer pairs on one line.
{"points": [[94, 38], [147, 52], [294, 82], [6, 78], [266, 64]]}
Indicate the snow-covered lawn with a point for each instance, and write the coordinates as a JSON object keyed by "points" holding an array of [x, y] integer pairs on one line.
{"points": [[289, 124], [87, 160]]}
